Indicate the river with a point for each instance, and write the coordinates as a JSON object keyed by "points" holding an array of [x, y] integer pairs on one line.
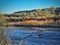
{"points": [[33, 35]]}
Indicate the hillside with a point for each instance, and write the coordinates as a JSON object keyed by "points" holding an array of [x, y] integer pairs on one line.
{"points": [[35, 17]]}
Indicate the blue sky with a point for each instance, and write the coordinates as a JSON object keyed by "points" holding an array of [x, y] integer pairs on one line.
{"points": [[10, 6]]}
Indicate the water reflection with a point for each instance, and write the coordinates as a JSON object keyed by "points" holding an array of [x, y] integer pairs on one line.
{"points": [[32, 37]]}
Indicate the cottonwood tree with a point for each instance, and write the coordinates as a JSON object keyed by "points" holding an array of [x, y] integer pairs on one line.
{"points": [[2, 21]]}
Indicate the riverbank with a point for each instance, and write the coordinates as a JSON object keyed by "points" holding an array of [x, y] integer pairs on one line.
{"points": [[52, 25], [32, 28]]}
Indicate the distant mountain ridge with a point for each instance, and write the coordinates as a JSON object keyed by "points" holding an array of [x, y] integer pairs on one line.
{"points": [[51, 9]]}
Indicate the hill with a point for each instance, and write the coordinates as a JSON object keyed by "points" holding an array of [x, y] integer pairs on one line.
{"points": [[36, 17]]}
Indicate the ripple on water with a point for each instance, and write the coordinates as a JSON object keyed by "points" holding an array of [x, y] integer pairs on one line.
{"points": [[48, 37]]}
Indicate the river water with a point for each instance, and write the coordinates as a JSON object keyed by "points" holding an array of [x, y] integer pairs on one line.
{"points": [[33, 35]]}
